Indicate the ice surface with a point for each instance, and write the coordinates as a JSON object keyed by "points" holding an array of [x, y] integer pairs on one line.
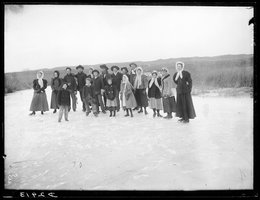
{"points": [[213, 151]]}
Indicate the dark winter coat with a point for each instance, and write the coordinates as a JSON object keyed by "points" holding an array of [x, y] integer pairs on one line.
{"points": [[117, 80], [144, 82], [88, 93], [70, 78], [184, 84], [154, 91], [98, 85], [64, 97], [105, 77], [81, 80], [56, 84], [110, 92], [37, 88]]}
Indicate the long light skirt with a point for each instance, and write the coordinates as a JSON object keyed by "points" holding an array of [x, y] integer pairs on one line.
{"points": [[111, 103], [39, 102], [156, 104]]}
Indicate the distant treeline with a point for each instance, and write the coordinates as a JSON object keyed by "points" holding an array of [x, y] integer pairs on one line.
{"points": [[207, 72]]}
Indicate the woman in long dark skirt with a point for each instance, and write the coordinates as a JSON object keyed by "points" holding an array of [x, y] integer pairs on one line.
{"points": [[154, 94], [55, 86], [140, 86], [184, 109], [39, 100]]}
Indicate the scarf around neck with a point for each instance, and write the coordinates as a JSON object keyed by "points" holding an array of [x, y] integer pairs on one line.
{"points": [[40, 79], [155, 81]]}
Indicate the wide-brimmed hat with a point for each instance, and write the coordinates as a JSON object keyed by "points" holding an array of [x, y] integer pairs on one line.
{"points": [[133, 64], [179, 62], [114, 67], [95, 71], [68, 68], [80, 66], [103, 67], [154, 72], [124, 68], [88, 79]]}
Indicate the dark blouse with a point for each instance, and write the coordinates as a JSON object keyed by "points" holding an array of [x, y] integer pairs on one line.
{"points": [[154, 91]]}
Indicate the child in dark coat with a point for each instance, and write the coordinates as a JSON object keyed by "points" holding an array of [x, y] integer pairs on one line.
{"points": [[63, 102], [88, 96], [110, 93]]}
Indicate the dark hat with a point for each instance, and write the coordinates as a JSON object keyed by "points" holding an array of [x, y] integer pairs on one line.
{"points": [[57, 72], [80, 66], [103, 67], [114, 67], [133, 64], [95, 71], [68, 68], [124, 69]]}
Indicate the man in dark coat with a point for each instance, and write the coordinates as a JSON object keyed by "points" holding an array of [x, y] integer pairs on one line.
{"points": [[116, 81], [81, 81], [98, 87], [70, 79], [104, 76], [132, 75], [184, 108]]}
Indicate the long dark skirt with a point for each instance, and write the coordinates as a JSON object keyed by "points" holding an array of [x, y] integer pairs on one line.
{"points": [[54, 100], [141, 98], [185, 108], [39, 102], [169, 104]]}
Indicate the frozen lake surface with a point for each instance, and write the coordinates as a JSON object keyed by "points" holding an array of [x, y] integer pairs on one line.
{"points": [[213, 151]]}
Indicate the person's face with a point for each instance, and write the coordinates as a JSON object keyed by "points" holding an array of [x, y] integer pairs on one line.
{"points": [[90, 71], [103, 70], [124, 71], [39, 74], [80, 70], [154, 75], [68, 71], [109, 81], [95, 74], [88, 82], [64, 86], [55, 74], [179, 67], [114, 70], [164, 72], [132, 67], [139, 71]]}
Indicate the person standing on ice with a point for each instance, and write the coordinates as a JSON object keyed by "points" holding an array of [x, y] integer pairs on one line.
{"points": [[98, 88], [154, 94], [70, 79], [132, 75], [184, 109], [39, 100], [169, 104], [55, 86], [90, 74], [110, 93], [140, 86], [81, 81], [127, 97], [89, 98], [117, 78], [64, 102], [104, 76]]}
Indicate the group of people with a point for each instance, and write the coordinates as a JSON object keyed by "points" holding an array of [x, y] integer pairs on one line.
{"points": [[129, 89]]}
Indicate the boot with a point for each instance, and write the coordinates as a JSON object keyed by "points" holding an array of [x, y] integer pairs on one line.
{"points": [[181, 120], [141, 110], [114, 113], [169, 116], [54, 111], [186, 121], [131, 112], [42, 112], [110, 113], [87, 113], [33, 113], [154, 113], [145, 111], [158, 113], [127, 113]]}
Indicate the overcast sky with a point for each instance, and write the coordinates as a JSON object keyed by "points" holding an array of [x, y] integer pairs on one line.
{"points": [[46, 36]]}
